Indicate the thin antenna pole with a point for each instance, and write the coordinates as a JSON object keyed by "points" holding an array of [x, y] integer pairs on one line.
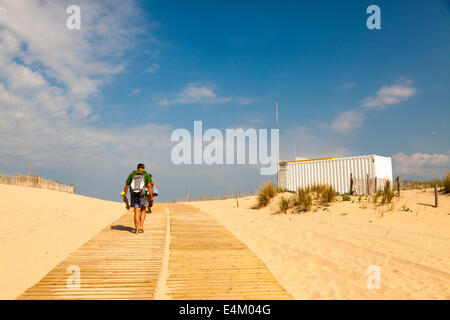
{"points": [[276, 116], [276, 112]]}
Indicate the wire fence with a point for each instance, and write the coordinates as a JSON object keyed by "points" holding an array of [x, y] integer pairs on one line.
{"points": [[417, 184]]}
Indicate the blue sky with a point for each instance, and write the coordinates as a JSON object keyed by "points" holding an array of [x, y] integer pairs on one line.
{"points": [[98, 100]]}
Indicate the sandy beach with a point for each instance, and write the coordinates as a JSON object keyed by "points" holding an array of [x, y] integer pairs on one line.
{"points": [[322, 254], [39, 228], [325, 254]]}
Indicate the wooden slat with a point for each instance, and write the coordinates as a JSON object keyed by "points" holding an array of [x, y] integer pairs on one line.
{"points": [[205, 262], [114, 264], [209, 262]]}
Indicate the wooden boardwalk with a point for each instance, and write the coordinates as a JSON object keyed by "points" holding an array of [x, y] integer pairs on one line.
{"points": [[183, 254], [209, 262], [114, 264]]}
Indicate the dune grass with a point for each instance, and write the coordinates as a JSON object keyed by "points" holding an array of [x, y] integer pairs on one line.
{"points": [[388, 194], [317, 189], [346, 197], [303, 200], [377, 195], [327, 195], [446, 183], [267, 192], [285, 204]]}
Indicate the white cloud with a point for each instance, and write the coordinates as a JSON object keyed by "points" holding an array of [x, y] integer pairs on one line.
{"points": [[390, 95], [24, 78], [243, 101], [135, 92], [45, 115], [69, 56], [347, 121], [47, 75], [421, 165], [347, 86], [153, 68], [194, 93]]}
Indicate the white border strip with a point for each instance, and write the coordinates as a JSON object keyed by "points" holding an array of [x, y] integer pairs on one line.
{"points": [[161, 285]]}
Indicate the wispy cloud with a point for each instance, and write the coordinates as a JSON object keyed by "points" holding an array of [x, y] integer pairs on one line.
{"points": [[347, 121], [389, 95], [66, 55], [421, 164], [347, 86], [153, 68], [47, 75], [243, 101], [193, 93], [135, 92]]}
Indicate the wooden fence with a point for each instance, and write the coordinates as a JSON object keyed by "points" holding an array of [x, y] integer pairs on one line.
{"points": [[417, 184], [369, 185], [215, 197], [35, 182]]}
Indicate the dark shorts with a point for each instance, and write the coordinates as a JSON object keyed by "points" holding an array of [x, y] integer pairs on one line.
{"points": [[138, 201]]}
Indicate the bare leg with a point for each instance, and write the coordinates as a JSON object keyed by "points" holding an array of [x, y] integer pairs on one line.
{"points": [[136, 220], [143, 215]]}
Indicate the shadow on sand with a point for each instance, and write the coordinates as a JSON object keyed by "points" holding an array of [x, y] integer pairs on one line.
{"points": [[426, 204], [122, 228]]}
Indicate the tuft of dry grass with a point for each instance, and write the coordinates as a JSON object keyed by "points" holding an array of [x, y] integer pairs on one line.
{"points": [[303, 200], [346, 197], [405, 208], [285, 204], [308, 199], [388, 194], [267, 192], [376, 196], [318, 189], [327, 195], [447, 182]]}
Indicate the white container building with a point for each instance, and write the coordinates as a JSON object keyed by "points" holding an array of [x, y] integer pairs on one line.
{"points": [[369, 173]]}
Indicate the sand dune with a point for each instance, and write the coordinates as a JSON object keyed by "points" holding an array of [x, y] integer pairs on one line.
{"points": [[325, 254], [317, 255], [39, 228]]}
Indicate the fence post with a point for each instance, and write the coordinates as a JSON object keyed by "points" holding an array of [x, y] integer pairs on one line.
{"points": [[398, 186], [237, 199], [368, 184], [187, 196], [351, 184], [435, 196], [375, 185]]}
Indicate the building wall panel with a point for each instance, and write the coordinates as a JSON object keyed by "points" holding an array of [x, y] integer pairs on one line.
{"points": [[336, 172]]}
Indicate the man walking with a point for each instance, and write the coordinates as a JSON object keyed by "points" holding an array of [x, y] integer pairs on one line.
{"points": [[139, 181]]}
